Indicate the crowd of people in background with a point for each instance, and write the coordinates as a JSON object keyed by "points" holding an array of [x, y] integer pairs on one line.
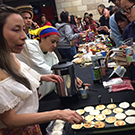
{"points": [[78, 27], [35, 43]]}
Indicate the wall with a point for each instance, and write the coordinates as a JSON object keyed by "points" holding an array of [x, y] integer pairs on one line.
{"points": [[79, 7]]}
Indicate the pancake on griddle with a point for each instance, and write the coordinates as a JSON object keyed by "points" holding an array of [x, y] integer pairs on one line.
{"points": [[94, 112], [80, 111], [118, 110], [89, 124], [133, 104], [100, 107], [130, 112], [100, 117], [77, 126], [106, 112], [130, 120], [111, 106], [124, 105], [88, 108], [89, 117], [110, 119], [99, 124], [119, 123], [120, 116]]}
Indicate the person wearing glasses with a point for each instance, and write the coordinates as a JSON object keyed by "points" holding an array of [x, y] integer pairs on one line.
{"points": [[128, 8], [103, 20]]}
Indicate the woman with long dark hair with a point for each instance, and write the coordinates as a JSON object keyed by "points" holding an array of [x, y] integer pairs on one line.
{"points": [[73, 22], [66, 36], [18, 83], [121, 20], [43, 21]]}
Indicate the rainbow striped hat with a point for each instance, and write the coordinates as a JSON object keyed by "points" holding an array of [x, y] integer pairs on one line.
{"points": [[44, 32]]}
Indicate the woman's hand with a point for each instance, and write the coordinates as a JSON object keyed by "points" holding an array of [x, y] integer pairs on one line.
{"points": [[80, 83], [70, 116], [82, 34], [51, 78], [106, 29], [121, 59]]}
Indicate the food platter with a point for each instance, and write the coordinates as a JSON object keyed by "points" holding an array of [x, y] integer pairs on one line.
{"points": [[117, 121]]}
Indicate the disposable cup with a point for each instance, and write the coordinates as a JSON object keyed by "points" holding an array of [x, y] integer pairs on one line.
{"points": [[84, 93], [128, 41], [128, 56]]}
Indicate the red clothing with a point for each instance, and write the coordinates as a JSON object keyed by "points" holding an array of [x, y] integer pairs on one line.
{"points": [[47, 23], [90, 26]]}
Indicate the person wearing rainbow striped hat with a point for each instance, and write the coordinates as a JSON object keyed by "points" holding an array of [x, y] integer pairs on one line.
{"points": [[40, 54]]}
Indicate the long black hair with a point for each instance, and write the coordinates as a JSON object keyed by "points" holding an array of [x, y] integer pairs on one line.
{"points": [[64, 16], [119, 16], [72, 19], [132, 1]]}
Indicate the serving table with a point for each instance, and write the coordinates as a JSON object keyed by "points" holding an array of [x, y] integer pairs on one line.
{"points": [[97, 94]]}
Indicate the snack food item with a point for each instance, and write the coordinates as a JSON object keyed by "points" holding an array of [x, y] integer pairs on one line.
{"points": [[88, 108], [100, 107], [89, 124], [100, 117], [59, 122], [94, 112], [106, 112], [99, 124], [80, 111], [130, 112], [120, 116], [110, 119], [58, 127], [77, 126], [133, 104], [124, 105], [118, 110], [89, 117], [130, 120], [111, 106], [119, 123], [56, 133]]}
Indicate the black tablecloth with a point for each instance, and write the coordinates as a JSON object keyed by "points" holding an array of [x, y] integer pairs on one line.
{"points": [[51, 101]]}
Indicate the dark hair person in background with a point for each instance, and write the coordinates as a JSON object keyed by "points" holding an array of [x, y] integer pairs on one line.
{"points": [[94, 22], [103, 20], [18, 83], [114, 27], [73, 21], [86, 13], [128, 8], [66, 36], [116, 2], [121, 20], [43, 21]]}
